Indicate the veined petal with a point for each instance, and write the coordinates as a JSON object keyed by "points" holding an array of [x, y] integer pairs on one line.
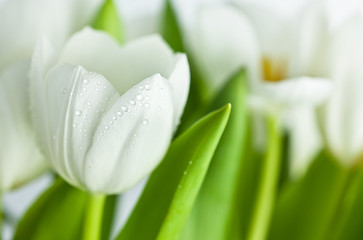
{"points": [[20, 157], [35, 18], [132, 137], [77, 100], [222, 41], [135, 61], [179, 80]]}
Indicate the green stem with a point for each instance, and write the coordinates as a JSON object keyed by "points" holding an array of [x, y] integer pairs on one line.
{"points": [[93, 221], [268, 184], [339, 209]]}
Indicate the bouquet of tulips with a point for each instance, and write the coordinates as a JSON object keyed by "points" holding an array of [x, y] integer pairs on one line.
{"points": [[181, 120]]}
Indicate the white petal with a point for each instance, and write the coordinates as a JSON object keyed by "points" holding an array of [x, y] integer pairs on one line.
{"points": [[343, 115], [297, 91], [222, 41], [135, 61], [180, 81], [305, 139], [20, 157], [76, 100], [24, 22], [140, 18], [127, 150], [310, 57], [276, 25]]}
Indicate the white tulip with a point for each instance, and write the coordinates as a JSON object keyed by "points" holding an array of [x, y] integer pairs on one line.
{"points": [[342, 116], [264, 40], [105, 113], [21, 24]]}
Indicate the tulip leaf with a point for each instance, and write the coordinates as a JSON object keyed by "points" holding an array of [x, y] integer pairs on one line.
{"points": [[351, 227], [108, 20], [108, 216], [306, 208], [171, 190], [57, 214], [197, 99], [170, 28], [217, 196]]}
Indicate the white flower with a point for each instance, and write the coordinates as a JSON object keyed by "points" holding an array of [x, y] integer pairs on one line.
{"points": [[342, 116], [21, 24], [264, 40], [105, 113]]}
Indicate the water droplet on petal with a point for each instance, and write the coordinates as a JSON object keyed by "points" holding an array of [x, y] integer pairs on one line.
{"points": [[119, 113], [124, 108], [132, 102], [74, 125], [145, 121], [107, 127], [78, 113], [141, 87], [86, 81], [139, 97], [147, 105], [114, 118], [147, 86]]}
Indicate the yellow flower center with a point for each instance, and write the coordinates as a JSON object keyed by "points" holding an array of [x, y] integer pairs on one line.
{"points": [[274, 70]]}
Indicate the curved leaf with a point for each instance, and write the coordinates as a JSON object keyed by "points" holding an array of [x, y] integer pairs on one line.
{"points": [[166, 202], [57, 214]]}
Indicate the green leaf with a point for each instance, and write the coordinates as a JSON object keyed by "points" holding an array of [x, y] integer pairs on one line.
{"points": [[108, 21], [306, 208], [108, 216], [57, 214], [198, 96], [170, 28], [217, 196], [350, 226], [169, 195]]}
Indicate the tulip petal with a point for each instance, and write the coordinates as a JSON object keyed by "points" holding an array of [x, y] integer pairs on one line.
{"points": [[135, 61], [131, 138], [179, 80], [298, 91], [342, 116], [223, 41], [305, 139], [20, 157], [32, 20], [77, 100]]}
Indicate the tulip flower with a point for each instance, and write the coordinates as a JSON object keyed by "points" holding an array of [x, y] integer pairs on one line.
{"points": [[342, 115], [223, 39], [106, 114], [334, 33], [263, 40], [21, 24]]}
